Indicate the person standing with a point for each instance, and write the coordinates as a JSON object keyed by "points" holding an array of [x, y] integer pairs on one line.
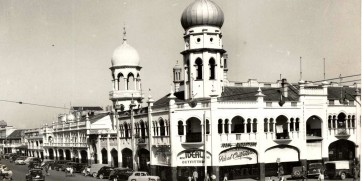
{"points": [[225, 177], [195, 175], [321, 175], [304, 174], [280, 172]]}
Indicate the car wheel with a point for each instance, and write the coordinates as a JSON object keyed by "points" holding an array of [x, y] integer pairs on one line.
{"points": [[343, 175], [133, 180], [94, 174], [101, 176], [115, 179]]}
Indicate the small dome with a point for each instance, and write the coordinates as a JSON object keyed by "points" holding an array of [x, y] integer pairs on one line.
{"points": [[177, 66], [63, 118], [3, 124], [125, 55], [202, 12], [70, 117]]}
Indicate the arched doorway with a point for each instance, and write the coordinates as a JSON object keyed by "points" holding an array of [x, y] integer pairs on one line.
{"points": [[193, 132], [127, 158], [144, 158], [114, 154], [281, 127], [104, 156], [314, 126], [237, 125], [51, 154], [341, 150], [84, 156], [75, 156], [67, 154], [61, 154]]}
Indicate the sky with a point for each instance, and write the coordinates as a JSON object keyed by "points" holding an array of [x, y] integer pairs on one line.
{"points": [[58, 52]]}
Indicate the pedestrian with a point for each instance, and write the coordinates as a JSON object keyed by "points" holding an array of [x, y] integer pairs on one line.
{"points": [[195, 175], [280, 172], [207, 177], [189, 178], [304, 174], [225, 177], [47, 169], [321, 175]]}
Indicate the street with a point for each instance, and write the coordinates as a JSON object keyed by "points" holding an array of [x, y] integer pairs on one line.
{"points": [[19, 172]]}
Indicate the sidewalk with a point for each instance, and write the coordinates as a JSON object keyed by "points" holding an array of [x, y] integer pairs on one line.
{"points": [[275, 178]]}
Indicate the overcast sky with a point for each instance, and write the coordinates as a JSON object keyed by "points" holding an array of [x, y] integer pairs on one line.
{"points": [[58, 52]]}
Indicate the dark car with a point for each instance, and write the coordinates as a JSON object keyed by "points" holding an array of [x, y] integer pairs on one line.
{"points": [[120, 174], [34, 164], [48, 162], [35, 175], [104, 172], [79, 167], [298, 173], [314, 168], [58, 164]]}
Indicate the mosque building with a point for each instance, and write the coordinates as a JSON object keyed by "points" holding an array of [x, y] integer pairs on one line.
{"points": [[211, 125]]}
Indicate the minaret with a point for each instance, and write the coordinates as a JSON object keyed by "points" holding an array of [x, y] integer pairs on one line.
{"points": [[203, 55], [126, 76], [177, 77]]}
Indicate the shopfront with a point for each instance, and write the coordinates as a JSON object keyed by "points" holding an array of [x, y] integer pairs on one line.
{"points": [[191, 160]]}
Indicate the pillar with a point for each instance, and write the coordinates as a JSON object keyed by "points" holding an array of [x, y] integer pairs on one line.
{"points": [[262, 171], [174, 173], [109, 157], [153, 169], [125, 83], [99, 154], [216, 172]]}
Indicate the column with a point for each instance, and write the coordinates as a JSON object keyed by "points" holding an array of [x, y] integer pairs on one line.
{"points": [[135, 83], [251, 126], [229, 126], [174, 173], [99, 154], [202, 132], [245, 126], [125, 83], [109, 157], [262, 171], [288, 129]]}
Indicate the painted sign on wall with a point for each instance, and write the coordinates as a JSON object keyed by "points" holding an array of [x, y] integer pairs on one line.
{"points": [[237, 156], [193, 157]]}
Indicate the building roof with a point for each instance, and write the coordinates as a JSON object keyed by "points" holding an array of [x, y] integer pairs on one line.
{"points": [[334, 93], [248, 94], [87, 108], [15, 134], [180, 97], [95, 118]]}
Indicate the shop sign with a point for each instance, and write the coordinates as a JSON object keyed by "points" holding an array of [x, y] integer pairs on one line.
{"points": [[236, 156], [193, 157], [238, 145]]}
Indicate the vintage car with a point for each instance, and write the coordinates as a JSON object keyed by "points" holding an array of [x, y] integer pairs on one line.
{"points": [[298, 172], [341, 169], [120, 174], [93, 169], [35, 175], [20, 160], [104, 172], [314, 169], [143, 176]]}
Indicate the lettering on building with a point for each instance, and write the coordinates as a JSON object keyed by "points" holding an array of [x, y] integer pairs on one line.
{"points": [[238, 145]]}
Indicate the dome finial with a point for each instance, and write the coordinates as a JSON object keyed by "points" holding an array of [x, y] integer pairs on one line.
{"points": [[124, 33]]}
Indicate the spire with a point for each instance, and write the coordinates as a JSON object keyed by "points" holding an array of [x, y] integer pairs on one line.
{"points": [[124, 33]]}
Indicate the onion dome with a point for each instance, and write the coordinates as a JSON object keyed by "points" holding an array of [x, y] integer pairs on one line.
{"points": [[125, 54], [202, 12], [70, 117], [3, 124]]}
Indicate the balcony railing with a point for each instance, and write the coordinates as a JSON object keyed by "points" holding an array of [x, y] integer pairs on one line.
{"points": [[161, 140]]}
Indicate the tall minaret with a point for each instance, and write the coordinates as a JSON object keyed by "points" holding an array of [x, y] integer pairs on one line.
{"points": [[203, 54], [126, 76], [177, 77]]}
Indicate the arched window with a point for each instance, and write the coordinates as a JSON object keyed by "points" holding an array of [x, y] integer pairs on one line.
{"points": [[237, 125], [248, 126], [353, 121], [219, 126], [341, 120], [130, 82], [226, 126], [198, 63], [291, 124], [255, 126], [266, 125], [271, 127], [120, 81], [207, 127], [180, 128], [334, 122], [143, 130], [329, 122], [125, 130], [297, 124], [212, 68], [162, 127]]}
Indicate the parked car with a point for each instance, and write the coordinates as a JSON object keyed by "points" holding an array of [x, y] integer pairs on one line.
{"points": [[93, 169], [120, 174], [58, 164], [297, 172], [340, 169], [34, 164], [313, 169], [79, 167], [104, 172], [35, 175], [20, 160], [143, 176], [13, 157]]}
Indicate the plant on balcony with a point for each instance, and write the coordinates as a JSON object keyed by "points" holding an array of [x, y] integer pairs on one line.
{"points": [[141, 140]]}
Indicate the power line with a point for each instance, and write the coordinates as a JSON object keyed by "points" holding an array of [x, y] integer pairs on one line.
{"points": [[33, 104]]}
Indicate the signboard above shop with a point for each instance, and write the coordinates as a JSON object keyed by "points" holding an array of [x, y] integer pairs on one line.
{"points": [[193, 157], [238, 156]]}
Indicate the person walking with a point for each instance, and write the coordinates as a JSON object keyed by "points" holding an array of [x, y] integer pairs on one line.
{"points": [[225, 177], [195, 175], [321, 175], [280, 172], [304, 174], [46, 167]]}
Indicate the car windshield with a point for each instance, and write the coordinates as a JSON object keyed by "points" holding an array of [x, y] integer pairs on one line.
{"points": [[36, 172], [315, 165]]}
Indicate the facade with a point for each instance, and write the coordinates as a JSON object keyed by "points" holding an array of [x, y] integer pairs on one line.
{"points": [[5, 131], [34, 138], [214, 126], [15, 143], [71, 137]]}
